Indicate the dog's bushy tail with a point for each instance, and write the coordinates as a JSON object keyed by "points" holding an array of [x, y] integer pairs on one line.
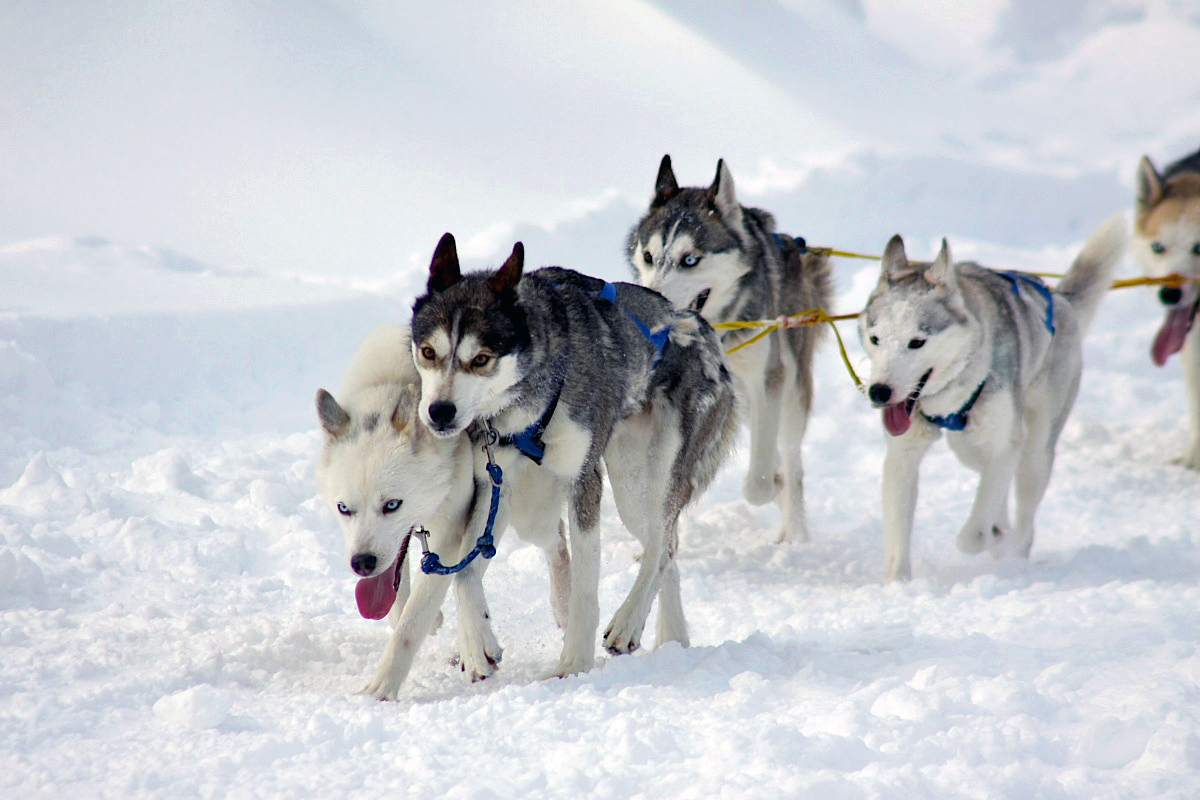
{"points": [[1090, 276]]}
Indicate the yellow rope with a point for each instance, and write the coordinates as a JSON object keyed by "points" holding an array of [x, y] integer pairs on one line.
{"points": [[814, 316]]}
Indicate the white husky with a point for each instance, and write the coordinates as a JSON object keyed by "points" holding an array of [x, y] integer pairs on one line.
{"points": [[1166, 241], [992, 358], [383, 473]]}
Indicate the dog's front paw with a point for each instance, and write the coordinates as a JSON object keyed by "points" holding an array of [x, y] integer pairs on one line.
{"points": [[479, 665], [973, 539], [571, 664], [623, 635], [383, 686], [760, 488], [897, 569]]}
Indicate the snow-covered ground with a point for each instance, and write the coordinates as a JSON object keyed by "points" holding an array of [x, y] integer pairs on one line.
{"points": [[175, 616]]}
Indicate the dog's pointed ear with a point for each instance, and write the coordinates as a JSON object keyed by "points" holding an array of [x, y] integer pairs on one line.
{"points": [[443, 269], [665, 185], [506, 278], [894, 262], [404, 416], [334, 418], [941, 271], [1149, 185], [724, 198]]}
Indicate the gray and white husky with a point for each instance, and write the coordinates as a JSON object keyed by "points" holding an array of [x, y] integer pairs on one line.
{"points": [[1166, 240], [383, 473], [575, 375], [992, 358], [700, 248]]}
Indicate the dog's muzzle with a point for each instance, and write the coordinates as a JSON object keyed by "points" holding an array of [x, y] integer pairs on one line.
{"points": [[1170, 295]]}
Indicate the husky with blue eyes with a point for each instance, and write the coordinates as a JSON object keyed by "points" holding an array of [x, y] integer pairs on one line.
{"points": [[701, 249], [383, 474], [1167, 241], [991, 358]]}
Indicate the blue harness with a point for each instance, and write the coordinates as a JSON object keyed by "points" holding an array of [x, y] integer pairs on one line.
{"points": [[958, 420], [1017, 278], [485, 545], [799, 240], [529, 441]]}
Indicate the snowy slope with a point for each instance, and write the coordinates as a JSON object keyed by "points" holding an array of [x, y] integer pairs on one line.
{"points": [[175, 616]]}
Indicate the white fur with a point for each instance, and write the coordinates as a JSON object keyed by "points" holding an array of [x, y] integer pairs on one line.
{"points": [[1178, 235], [1014, 425], [435, 477]]}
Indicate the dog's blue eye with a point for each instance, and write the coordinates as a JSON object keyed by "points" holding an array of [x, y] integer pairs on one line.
{"points": [[691, 260], [646, 257], [344, 509], [916, 344], [1158, 247], [391, 506]]}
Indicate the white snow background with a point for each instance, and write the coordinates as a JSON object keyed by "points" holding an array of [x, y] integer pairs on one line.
{"points": [[203, 208]]}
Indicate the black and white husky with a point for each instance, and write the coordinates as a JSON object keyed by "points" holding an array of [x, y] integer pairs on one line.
{"points": [[992, 358], [1167, 241], [575, 375], [701, 249]]}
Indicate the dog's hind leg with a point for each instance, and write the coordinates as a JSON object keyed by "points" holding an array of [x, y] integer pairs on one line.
{"points": [[639, 486], [537, 517], [672, 627], [583, 606], [558, 560]]}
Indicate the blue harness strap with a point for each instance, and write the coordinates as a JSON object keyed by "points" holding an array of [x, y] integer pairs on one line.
{"points": [[958, 420], [529, 441], [799, 240], [485, 545], [659, 340], [1017, 278]]}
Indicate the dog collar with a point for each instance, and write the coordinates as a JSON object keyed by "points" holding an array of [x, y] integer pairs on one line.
{"points": [[1017, 278], [529, 441], [958, 420]]}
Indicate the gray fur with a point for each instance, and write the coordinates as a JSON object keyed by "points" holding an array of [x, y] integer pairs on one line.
{"points": [[552, 332], [765, 277], [997, 364]]}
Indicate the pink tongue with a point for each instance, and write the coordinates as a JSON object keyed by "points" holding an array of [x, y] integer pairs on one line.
{"points": [[376, 595], [1171, 336], [896, 418]]}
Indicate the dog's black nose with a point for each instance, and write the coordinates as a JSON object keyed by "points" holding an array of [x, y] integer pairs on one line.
{"points": [[363, 563], [1169, 295], [442, 413], [879, 393]]}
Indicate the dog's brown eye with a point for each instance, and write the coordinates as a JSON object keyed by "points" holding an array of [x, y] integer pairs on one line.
{"points": [[1158, 247], [480, 360], [427, 353], [916, 344], [874, 340], [646, 257], [1196, 249]]}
